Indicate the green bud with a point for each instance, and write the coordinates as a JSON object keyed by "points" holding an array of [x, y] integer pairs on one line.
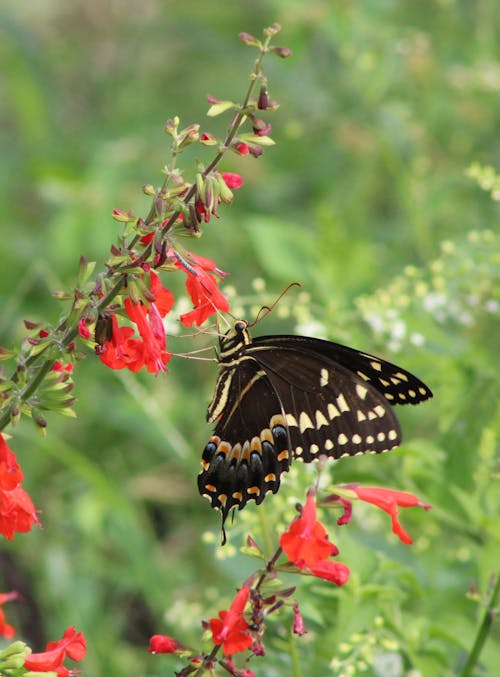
{"points": [[189, 135], [274, 29], [172, 125], [123, 216]]}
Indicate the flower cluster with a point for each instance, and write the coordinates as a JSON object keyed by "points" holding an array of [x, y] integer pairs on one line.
{"points": [[309, 551], [119, 347], [17, 512]]}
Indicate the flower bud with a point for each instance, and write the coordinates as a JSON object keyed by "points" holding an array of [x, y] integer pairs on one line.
{"points": [[123, 216], [282, 52], [263, 100], [248, 39]]}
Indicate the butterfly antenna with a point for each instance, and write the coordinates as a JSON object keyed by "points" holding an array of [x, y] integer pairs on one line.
{"points": [[265, 310]]}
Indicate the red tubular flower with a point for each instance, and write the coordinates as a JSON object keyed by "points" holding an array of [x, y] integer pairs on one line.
{"points": [[17, 512], [231, 628], [10, 472], [203, 290], [163, 644], [83, 329], [72, 645], [232, 180], [241, 148], [390, 500], [306, 541], [335, 572], [306, 544], [6, 630]]}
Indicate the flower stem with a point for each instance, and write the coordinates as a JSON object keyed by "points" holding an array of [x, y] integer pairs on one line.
{"points": [[296, 669], [484, 628]]}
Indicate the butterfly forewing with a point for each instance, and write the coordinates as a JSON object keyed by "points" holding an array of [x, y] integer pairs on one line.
{"points": [[328, 409], [279, 397], [396, 384]]}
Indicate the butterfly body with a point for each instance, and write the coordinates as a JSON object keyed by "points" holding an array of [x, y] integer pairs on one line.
{"points": [[282, 397]]}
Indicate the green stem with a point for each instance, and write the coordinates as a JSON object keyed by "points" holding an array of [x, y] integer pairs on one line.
{"points": [[484, 629], [294, 655]]}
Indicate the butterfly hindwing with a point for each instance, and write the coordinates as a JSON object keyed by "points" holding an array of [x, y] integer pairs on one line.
{"points": [[250, 446]]}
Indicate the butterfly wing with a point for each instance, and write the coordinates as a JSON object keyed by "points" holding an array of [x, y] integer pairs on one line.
{"points": [[250, 445], [396, 384], [328, 409]]}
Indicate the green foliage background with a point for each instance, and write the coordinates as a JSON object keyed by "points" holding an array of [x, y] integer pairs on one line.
{"points": [[365, 201]]}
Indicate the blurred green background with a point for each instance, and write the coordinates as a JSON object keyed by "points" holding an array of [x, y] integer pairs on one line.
{"points": [[366, 202]]}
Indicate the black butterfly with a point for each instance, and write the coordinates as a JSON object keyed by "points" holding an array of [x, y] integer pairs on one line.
{"points": [[283, 397]]}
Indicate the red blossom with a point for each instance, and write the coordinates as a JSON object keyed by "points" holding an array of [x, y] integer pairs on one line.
{"points": [[72, 645], [122, 350], [231, 628], [390, 500], [83, 329], [306, 544], [306, 541], [60, 366], [203, 290], [335, 572], [241, 148], [10, 472], [163, 644], [17, 512], [6, 630], [232, 180]]}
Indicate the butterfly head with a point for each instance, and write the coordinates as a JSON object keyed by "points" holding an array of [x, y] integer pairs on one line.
{"points": [[234, 340]]}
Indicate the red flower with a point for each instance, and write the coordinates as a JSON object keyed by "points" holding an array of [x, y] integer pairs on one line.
{"points": [[163, 644], [7, 630], [83, 329], [232, 180], [306, 541], [203, 290], [241, 148], [306, 544], [231, 628], [121, 350], [72, 645], [389, 500], [10, 472], [59, 366], [17, 512], [335, 572]]}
